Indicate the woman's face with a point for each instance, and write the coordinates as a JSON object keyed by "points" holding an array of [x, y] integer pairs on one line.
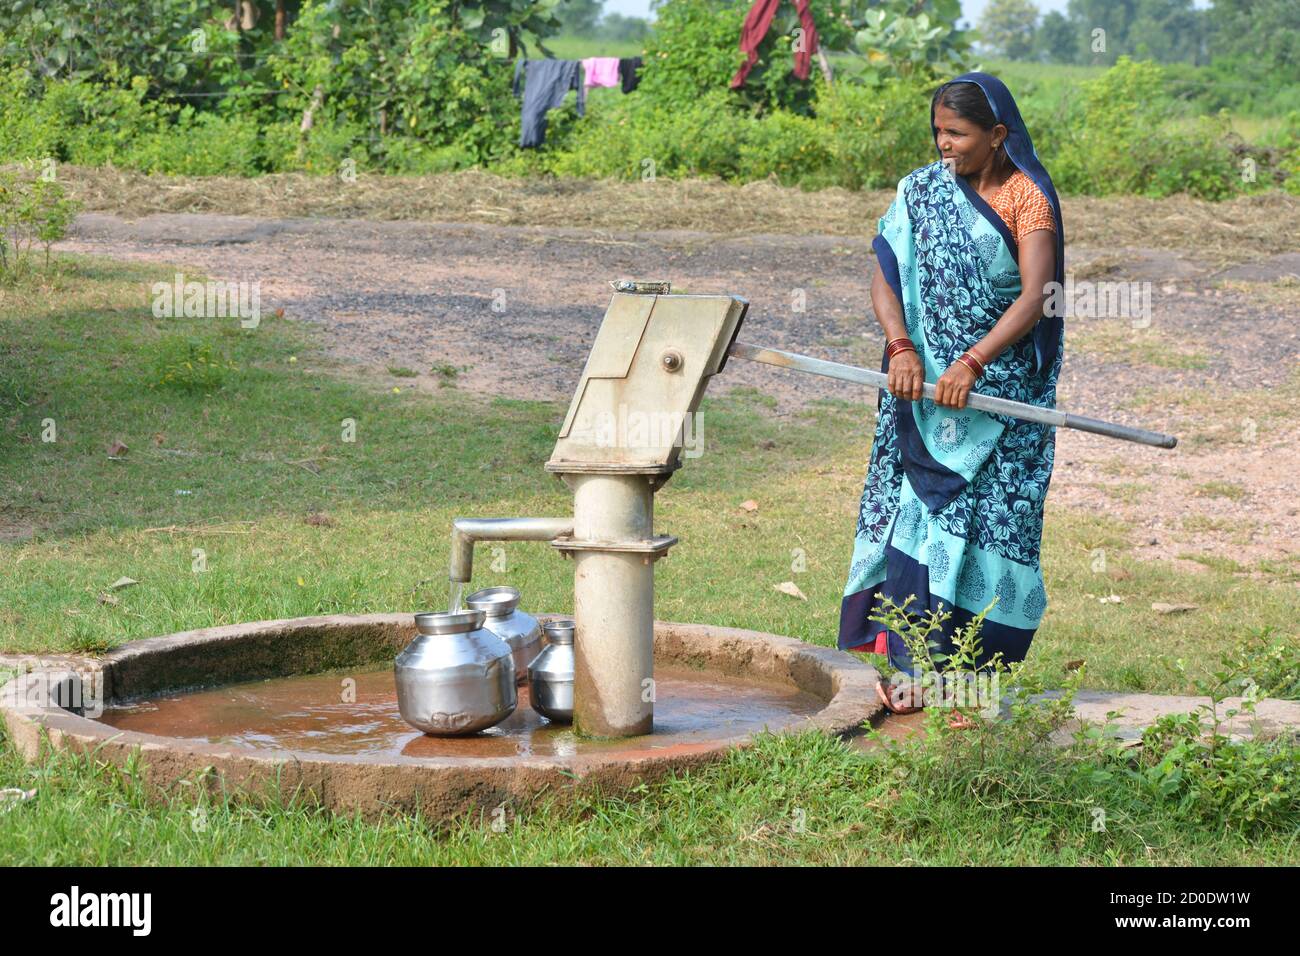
{"points": [[970, 147]]}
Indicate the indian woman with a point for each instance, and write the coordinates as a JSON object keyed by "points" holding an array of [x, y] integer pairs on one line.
{"points": [[952, 506]]}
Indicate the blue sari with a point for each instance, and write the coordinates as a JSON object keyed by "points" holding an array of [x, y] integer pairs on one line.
{"points": [[952, 507]]}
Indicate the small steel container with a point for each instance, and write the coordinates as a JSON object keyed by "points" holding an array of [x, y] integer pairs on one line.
{"points": [[504, 619], [550, 675], [456, 677]]}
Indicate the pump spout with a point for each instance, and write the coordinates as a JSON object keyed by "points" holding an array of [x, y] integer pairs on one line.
{"points": [[465, 531]]}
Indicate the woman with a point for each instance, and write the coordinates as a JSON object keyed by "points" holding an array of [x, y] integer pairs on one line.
{"points": [[952, 509]]}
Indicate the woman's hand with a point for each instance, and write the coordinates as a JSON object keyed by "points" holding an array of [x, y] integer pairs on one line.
{"points": [[906, 376], [954, 386]]}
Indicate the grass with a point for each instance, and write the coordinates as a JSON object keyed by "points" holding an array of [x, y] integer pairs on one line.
{"points": [[264, 453], [1116, 339]]}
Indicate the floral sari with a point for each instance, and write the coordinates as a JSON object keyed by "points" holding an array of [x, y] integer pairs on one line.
{"points": [[952, 507]]}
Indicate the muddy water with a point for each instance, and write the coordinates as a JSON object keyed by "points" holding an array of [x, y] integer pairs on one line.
{"points": [[319, 713]]}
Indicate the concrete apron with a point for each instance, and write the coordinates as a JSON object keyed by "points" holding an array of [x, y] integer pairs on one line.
{"points": [[439, 787]]}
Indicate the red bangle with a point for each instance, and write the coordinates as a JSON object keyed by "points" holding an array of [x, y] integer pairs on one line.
{"points": [[978, 356], [894, 346], [971, 363]]}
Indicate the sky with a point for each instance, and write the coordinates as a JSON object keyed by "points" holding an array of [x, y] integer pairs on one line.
{"points": [[971, 9]]}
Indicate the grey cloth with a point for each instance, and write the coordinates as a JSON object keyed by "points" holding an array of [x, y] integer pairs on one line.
{"points": [[546, 83]]}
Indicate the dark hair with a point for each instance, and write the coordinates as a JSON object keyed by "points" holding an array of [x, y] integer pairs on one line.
{"points": [[968, 101]]}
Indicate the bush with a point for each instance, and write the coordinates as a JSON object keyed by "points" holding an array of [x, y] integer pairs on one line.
{"points": [[98, 124], [694, 47], [201, 144], [33, 211], [637, 136], [876, 135], [25, 130], [1116, 141]]}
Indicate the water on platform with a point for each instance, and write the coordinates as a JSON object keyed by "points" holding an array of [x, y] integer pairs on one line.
{"points": [[356, 713]]}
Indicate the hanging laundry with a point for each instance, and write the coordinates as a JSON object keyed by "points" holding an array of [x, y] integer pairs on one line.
{"points": [[545, 83], [629, 71], [758, 21], [600, 71]]}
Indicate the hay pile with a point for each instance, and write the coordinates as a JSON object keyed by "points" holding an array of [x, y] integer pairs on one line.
{"points": [[1225, 232]]}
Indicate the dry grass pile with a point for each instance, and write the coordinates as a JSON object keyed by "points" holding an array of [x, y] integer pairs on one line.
{"points": [[1225, 232]]}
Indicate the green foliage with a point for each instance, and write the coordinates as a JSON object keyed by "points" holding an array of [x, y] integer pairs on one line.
{"points": [[1116, 142], [876, 134], [34, 211], [421, 72], [189, 365], [175, 45], [693, 49], [638, 138], [860, 137], [1009, 27], [1203, 776], [1184, 766], [914, 39], [1269, 661], [209, 145]]}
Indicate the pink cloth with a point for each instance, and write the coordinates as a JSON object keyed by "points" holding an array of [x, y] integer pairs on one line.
{"points": [[600, 71]]}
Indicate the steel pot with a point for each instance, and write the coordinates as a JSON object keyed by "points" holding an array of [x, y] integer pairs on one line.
{"points": [[456, 677], [504, 619], [550, 675]]}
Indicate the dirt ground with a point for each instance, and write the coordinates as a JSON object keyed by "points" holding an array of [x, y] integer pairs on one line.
{"points": [[513, 309]]}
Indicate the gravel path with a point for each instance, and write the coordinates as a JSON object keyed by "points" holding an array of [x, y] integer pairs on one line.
{"points": [[517, 307]]}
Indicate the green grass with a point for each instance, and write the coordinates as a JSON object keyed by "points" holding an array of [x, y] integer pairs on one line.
{"points": [[1116, 339], [796, 800], [265, 450]]}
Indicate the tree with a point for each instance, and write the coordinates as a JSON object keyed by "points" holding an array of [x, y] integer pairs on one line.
{"points": [[580, 17], [1058, 39], [1008, 27], [615, 26]]}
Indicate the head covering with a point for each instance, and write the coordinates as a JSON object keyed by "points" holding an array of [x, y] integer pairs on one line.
{"points": [[1020, 149]]}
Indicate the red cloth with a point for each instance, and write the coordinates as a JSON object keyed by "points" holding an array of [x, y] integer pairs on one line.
{"points": [[758, 21], [880, 647]]}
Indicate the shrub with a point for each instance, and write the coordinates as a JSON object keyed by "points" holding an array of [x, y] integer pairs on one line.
{"points": [[26, 132], [794, 149], [98, 124], [876, 134], [637, 135], [34, 210], [1116, 142], [694, 47], [200, 144]]}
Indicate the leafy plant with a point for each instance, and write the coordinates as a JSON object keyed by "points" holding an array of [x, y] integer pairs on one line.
{"points": [[190, 365], [915, 39], [1204, 775], [34, 210]]}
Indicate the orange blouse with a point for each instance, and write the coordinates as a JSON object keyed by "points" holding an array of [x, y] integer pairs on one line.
{"points": [[1022, 206]]}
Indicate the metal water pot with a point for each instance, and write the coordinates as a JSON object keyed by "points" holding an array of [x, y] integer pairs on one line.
{"points": [[456, 677], [550, 675], [504, 619]]}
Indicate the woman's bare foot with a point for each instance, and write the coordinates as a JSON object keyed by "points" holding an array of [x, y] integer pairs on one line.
{"points": [[898, 701]]}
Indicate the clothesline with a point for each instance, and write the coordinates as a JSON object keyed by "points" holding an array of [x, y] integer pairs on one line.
{"points": [[545, 82]]}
